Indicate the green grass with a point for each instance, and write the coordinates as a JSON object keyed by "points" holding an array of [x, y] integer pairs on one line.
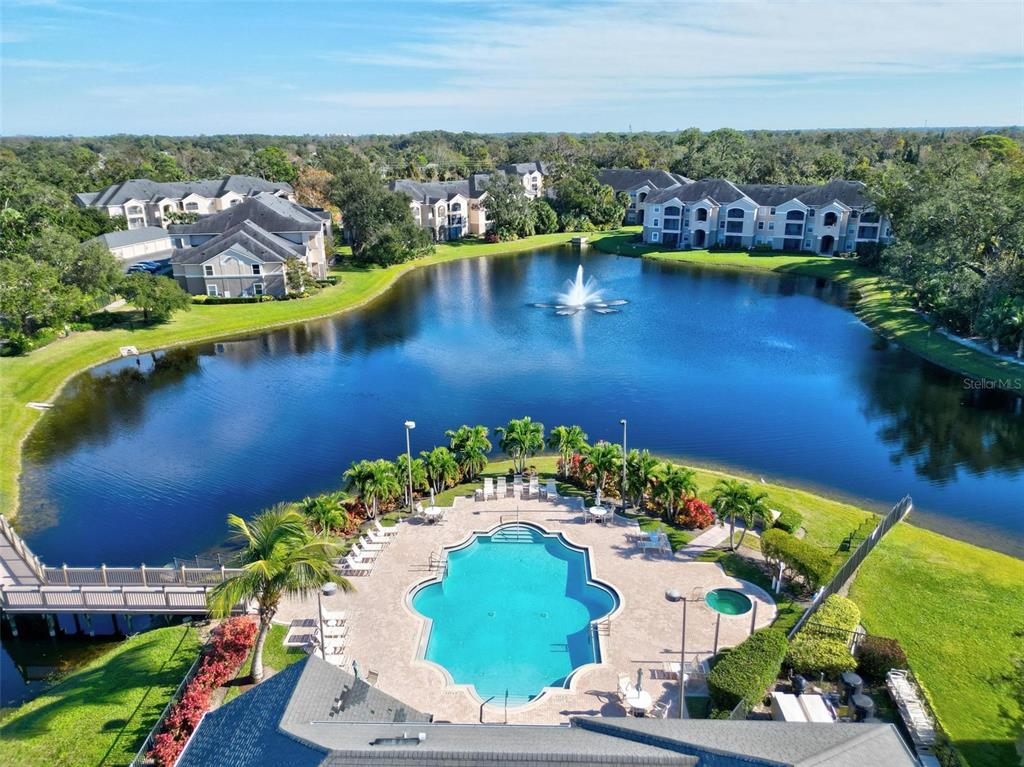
{"points": [[101, 714], [39, 376], [275, 656], [877, 301], [954, 608]]}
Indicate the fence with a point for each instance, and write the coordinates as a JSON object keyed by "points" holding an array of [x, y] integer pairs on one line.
{"points": [[21, 548], [136, 576], [842, 577]]}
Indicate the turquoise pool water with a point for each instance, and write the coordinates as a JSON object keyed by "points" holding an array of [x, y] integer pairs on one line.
{"points": [[513, 613], [728, 602]]}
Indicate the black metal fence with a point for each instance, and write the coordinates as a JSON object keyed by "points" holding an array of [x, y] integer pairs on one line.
{"points": [[843, 575]]}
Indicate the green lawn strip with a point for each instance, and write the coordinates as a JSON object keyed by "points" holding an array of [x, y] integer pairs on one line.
{"points": [[39, 376], [954, 608], [100, 714], [876, 301], [745, 569], [275, 656]]}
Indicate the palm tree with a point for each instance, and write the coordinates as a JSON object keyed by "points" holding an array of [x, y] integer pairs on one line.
{"points": [[326, 512], [641, 471], [520, 439], [374, 481], [419, 473], [279, 557], [675, 483], [471, 446], [731, 499], [567, 441], [756, 508], [356, 477], [602, 462], [442, 468]]}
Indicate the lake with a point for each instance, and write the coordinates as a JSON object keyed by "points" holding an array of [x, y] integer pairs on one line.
{"points": [[142, 461]]}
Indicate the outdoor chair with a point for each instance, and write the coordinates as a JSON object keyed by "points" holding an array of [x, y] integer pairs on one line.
{"points": [[517, 486], [502, 487], [334, 617], [367, 545], [550, 491], [349, 566], [660, 710], [376, 538], [387, 532], [358, 553], [534, 489], [488, 491]]}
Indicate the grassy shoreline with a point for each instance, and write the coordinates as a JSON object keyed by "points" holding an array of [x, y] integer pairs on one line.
{"points": [[876, 304]]}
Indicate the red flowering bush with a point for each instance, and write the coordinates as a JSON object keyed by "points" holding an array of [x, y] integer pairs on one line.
{"points": [[228, 648], [694, 514], [575, 470]]}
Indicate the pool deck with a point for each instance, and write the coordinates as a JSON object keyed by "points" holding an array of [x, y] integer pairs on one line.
{"points": [[385, 634]]}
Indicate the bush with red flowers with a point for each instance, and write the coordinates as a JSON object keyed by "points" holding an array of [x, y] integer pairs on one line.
{"points": [[694, 514], [228, 648]]}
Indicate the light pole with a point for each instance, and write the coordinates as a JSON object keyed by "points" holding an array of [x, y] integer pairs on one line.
{"points": [[623, 422], [327, 590], [682, 669], [409, 426]]}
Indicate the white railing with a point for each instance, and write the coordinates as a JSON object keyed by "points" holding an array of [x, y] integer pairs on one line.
{"points": [[27, 599], [21, 548], [136, 576]]}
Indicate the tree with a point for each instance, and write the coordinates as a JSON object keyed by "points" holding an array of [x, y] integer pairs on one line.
{"points": [[279, 557], [471, 446], [326, 512], [732, 498], [375, 482], [581, 198], [30, 294], [272, 163], [755, 508], [508, 207], [521, 439], [158, 297], [419, 473], [641, 472], [603, 461], [296, 275], [545, 220], [442, 468], [567, 441], [675, 483]]}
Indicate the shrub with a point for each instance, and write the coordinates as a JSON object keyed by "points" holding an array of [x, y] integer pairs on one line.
{"points": [[762, 247], [748, 669], [837, 612], [215, 300], [789, 520], [822, 646], [876, 655], [694, 514], [802, 559]]}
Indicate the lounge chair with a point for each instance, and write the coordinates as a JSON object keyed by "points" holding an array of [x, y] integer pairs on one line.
{"points": [[357, 553], [368, 545], [334, 617], [379, 529], [488, 491], [349, 566], [334, 633], [660, 710], [502, 491], [626, 687], [377, 539], [550, 491], [517, 486], [534, 489]]}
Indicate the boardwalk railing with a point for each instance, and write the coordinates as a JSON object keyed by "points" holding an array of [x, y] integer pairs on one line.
{"points": [[136, 576], [21, 548]]}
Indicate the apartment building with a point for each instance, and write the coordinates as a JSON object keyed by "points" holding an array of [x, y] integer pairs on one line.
{"points": [[448, 209], [243, 251], [530, 174], [639, 183], [828, 218], [151, 203]]}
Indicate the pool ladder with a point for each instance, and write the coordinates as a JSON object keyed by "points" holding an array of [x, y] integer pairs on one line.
{"points": [[438, 562]]}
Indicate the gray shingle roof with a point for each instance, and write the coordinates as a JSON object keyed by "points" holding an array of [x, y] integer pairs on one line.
{"points": [[717, 189], [522, 168], [430, 191], [151, 191], [257, 242], [850, 193], [625, 179], [265, 210], [133, 236]]}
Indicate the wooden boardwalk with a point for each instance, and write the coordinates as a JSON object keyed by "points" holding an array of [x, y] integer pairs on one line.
{"points": [[27, 586]]}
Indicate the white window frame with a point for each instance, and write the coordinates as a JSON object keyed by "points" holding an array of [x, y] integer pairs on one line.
{"points": [[257, 288], [207, 270], [655, 236], [213, 290], [256, 269]]}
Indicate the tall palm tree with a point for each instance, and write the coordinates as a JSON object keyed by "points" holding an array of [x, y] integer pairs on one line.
{"points": [[471, 446], [756, 508], [279, 557], [520, 439], [674, 484], [731, 498], [602, 462], [641, 471], [419, 473], [382, 485], [356, 477], [442, 468], [326, 512], [567, 441]]}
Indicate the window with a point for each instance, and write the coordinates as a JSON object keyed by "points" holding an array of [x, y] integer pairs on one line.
{"points": [[794, 228], [854, 214], [702, 214], [211, 290], [830, 219], [760, 224], [736, 212], [867, 233], [208, 270], [773, 211], [657, 209], [671, 210], [771, 225], [810, 213], [257, 269], [721, 225], [654, 236], [135, 209], [192, 206], [455, 207], [655, 222], [869, 217], [257, 288], [735, 227], [795, 215], [235, 202]]}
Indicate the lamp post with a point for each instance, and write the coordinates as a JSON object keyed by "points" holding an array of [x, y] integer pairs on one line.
{"points": [[328, 589], [682, 668], [409, 426], [624, 454]]}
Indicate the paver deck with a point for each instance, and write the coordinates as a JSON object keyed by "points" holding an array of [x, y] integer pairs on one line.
{"points": [[385, 632]]}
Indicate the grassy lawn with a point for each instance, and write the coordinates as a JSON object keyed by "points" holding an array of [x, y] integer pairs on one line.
{"points": [[954, 608], [275, 656], [38, 377], [101, 714], [876, 302]]}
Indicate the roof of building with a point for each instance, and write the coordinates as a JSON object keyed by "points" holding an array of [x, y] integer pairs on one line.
{"points": [[522, 168], [152, 191], [716, 189], [125, 237], [274, 214], [313, 713], [431, 192], [625, 179], [850, 193], [246, 235]]}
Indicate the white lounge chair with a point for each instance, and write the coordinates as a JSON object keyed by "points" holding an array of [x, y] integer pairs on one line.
{"points": [[334, 617], [502, 491], [349, 566], [388, 532], [550, 491], [626, 687], [534, 488], [333, 633], [517, 486], [368, 545], [376, 538], [358, 554], [488, 491]]}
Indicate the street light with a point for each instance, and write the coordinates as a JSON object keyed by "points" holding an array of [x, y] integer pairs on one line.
{"points": [[409, 426], [328, 589], [623, 422]]}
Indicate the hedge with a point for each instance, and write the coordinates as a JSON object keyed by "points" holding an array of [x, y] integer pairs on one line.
{"points": [[876, 655], [789, 520], [803, 559], [214, 300], [822, 646], [746, 671]]}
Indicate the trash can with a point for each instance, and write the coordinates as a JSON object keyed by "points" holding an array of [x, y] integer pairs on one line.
{"points": [[852, 685], [799, 685], [862, 707]]}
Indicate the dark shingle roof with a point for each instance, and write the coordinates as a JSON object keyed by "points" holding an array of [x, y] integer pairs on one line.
{"points": [[430, 191], [253, 239], [850, 193], [133, 236], [522, 168], [717, 189], [624, 179], [265, 210], [151, 191]]}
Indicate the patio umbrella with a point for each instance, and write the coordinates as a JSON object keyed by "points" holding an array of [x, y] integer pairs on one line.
{"points": [[431, 496], [639, 679], [355, 669]]}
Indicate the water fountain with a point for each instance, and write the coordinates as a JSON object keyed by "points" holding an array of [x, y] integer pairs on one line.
{"points": [[580, 296]]}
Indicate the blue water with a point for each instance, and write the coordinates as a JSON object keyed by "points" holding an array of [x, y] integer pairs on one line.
{"points": [[513, 613]]}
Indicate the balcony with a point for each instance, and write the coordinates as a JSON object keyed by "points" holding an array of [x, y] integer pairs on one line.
{"points": [[795, 230]]}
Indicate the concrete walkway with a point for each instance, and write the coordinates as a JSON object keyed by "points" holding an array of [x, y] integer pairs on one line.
{"points": [[712, 538]]}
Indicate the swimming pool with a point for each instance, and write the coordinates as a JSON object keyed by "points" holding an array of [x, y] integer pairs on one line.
{"points": [[514, 613], [728, 602]]}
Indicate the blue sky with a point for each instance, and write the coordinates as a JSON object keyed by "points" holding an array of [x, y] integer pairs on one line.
{"points": [[336, 66]]}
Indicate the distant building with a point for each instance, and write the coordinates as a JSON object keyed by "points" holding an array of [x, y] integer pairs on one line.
{"points": [[531, 174], [243, 251], [145, 243], [638, 183], [312, 714], [447, 209], [827, 218], [150, 203]]}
